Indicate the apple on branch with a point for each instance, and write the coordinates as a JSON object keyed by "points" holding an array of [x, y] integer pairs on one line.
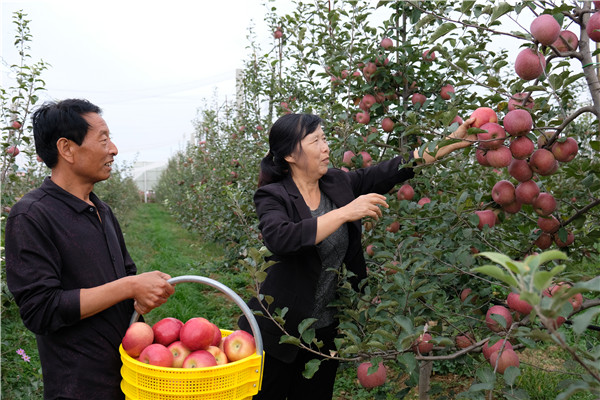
{"points": [[374, 379]]}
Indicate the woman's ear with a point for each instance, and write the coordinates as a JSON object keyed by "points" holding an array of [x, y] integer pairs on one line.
{"points": [[65, 149], [290, 159]]}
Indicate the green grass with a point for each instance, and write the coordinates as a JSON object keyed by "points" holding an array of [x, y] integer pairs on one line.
{"points": [[157, 242]]}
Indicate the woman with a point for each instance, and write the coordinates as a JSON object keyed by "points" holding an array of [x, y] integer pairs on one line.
{"points": [[309, 217]]}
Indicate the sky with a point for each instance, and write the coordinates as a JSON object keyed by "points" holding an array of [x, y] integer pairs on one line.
{"points": [[148, 64]]}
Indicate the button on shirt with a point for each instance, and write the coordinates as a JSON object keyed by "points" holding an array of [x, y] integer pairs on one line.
{"points": [[57, 244]]}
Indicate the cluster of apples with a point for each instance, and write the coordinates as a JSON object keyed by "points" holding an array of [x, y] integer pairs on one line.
{"points": [[198, 343], [501, 352]]}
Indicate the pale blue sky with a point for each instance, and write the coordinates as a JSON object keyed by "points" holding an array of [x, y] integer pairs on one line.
{"points": [[147, 64]]}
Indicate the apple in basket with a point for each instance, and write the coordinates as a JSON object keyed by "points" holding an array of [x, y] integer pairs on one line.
{"points": [[239, 344], [199, 359], [157, 354], [166, 331], [217, 338], [197, 333], [219, 355], [180, 353], [138, 336]]}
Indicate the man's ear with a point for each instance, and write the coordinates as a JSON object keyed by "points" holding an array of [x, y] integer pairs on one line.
{"points": [[65, 149]]}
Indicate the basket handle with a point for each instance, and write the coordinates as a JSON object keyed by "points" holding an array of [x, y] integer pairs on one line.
{"points": [[229, 293]]}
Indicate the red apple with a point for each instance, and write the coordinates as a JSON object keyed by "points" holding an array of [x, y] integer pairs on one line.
{"points": [[548, 224], [545, 29], [513, 207], [483, 115], [502, 311], [464, 341], [374, 379], [16, 125], [575, 300], [544, 241], [199, 359], [466, 292], [387, 124], [544, 204], [422, 344], [156, 354], [277, 34], [518, 122], [520, 170], [406, 192], [138, 336], [219, 354], [515, 303], [217, 338], [347, 159], [166, 331], [593, 27], [180, 352], [487, 350], [429, 55], [508, 358], [197, 333], [386, 43], [458, 120], [480, 156], [503, 192], [369, 69], [521, 147], [530, 64], [486, 217], [363, 117], [568, 242], [445, 92], [12, 151], [494, 131], [370, 250], [367, 102], [526, 192], [423, 201], [566, 41], [565, 150], [367, 159], [542, 161], [418, 98], [239, 344], [516, 101], [393, 227]]}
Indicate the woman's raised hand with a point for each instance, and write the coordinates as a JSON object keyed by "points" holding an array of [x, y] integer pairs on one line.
{"points": [[367, 205]]}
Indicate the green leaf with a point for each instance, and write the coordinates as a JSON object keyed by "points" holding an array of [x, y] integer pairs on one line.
{"points": [[582, 320], [499, 11], [542, 279], [427, 19], [441, 31], [551, 255], [496, 257], [302, 326], [310, 368], [289, 339], [466, 6], [496, 272], [511, 374], [592, 285]]}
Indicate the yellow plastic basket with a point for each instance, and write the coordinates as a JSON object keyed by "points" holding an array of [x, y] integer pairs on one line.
{"points": [[237, 380]]}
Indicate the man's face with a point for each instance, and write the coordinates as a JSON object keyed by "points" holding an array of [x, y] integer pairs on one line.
{"points": [[93, 159]]}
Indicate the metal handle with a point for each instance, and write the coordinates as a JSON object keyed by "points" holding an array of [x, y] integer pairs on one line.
{"points": [[229, 293]]}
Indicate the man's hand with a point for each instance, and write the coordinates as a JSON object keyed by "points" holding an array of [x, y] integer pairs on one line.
{"points": [[150, 290]]}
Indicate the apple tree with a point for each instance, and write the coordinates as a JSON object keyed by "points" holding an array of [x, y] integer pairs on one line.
{"points": [[398, 76]]}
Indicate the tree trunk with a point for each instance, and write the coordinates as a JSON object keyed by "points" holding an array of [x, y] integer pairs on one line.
{"points": [[425, 369]]}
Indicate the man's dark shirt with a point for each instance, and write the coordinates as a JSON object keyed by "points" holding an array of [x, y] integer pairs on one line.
{"points": [[56, 245]]}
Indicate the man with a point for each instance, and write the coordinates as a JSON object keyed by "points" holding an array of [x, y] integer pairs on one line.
{"points": [[66, 261]]}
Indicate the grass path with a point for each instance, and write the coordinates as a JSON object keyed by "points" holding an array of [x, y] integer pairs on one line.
{"points": [[156, 241]]}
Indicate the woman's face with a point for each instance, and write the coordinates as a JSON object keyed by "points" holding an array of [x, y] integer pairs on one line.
{"points": [[311, 158]]}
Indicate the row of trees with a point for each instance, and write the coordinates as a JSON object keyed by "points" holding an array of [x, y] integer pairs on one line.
{"points": [[332, 60]]}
